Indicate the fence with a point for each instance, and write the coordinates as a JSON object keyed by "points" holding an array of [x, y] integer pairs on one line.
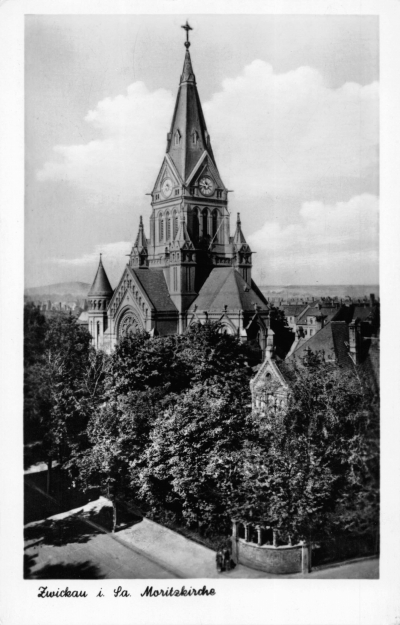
{"points": [[344, 547]]}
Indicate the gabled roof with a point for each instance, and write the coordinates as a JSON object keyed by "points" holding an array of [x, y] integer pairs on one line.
{"points": [[328, 312], [153, 283], [188, 124], [292, 310], [332, 340], [226, 287], [101, 286]]}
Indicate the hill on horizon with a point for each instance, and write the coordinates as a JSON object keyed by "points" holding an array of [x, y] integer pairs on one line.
{"points": [[63, 289]]}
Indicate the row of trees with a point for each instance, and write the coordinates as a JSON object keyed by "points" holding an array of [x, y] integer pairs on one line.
{"points": [[167, 422]]}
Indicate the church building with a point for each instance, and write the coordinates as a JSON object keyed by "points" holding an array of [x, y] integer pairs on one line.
{"points": [[190, 269]]}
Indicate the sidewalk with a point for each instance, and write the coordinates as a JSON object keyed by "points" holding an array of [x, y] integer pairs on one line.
{"points": [[74, 545]]}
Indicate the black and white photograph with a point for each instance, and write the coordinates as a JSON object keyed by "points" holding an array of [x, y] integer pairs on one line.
{"points": [[200, 391]]}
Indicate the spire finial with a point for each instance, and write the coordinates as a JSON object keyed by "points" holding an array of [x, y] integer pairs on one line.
{"points": [[238, 219], [187, 28]]}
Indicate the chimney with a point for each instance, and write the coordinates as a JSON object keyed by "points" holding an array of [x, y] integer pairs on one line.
{"points": [[372, 300]]}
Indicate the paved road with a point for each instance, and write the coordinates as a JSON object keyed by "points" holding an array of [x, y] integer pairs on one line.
{"points": [[69, 546]]}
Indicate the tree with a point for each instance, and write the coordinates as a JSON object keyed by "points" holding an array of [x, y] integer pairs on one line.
{"points": [[62, 381], [118, 433], [313, 458], [148, 379], [206, 424]]}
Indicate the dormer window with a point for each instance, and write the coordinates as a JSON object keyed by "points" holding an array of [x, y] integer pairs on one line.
{"points": [[177, 137], [195, 137]]}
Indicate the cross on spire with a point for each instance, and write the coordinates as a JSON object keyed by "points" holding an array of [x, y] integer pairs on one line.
{"points": [[187, 28]]}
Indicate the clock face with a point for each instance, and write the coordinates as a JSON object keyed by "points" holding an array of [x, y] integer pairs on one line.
{"points": [[206, 185], [166, 187]]}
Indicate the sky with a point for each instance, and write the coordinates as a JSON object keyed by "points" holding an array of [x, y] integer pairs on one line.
{"points": [[291, 104]]}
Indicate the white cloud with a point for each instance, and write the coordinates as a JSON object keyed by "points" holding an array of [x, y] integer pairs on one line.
{"points": [[283, 133], [332, 243], [121, 164], [280, 133]]}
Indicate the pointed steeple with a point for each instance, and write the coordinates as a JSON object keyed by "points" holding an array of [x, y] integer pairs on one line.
{"points": [[101, 286], [139, 253], [188, 74], [188, 138], [238, 238], [242, 258], [141, 241]]}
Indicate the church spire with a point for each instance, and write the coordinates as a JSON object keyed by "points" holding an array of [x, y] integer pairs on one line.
{"points": [[139, 254], [188, 138], [238, 238], [141, 241], [187, 74]]}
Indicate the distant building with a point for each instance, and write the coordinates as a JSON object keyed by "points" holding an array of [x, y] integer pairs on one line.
{"points": [[350, 338]]}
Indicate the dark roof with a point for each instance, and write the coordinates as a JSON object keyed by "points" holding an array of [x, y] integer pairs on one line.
{"points": [[340, 335], [226, 287], [362, 312], [331, 340], [369, 361], [155, 286], [328, 312], [188, 118], [292, 310], [101, 286]]}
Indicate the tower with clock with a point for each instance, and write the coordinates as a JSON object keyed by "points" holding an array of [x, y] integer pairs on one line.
{"points": [[190, 269]]}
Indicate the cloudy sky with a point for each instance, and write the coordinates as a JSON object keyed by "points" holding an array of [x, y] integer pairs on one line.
{"points": [[291, 104]]}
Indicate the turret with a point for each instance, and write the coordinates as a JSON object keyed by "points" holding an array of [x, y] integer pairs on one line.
{"points": [[242, 253], [139, 254], [99, 297]]}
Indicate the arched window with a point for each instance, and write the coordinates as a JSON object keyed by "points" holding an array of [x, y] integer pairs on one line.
{"points": [[215, 225], [167, 226], [160, 227], [177, 137], [175, 224], [204, 216]]}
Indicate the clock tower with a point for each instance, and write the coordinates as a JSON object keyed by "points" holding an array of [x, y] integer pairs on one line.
{"points": [[189, 225]]}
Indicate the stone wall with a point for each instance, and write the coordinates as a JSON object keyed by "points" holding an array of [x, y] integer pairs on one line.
{"points": [[275, 560], [249, 547]]}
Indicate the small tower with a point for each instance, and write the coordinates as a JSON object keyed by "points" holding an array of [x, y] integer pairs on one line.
{"points": [[99, 297], [182, 267], [139, 254], [242, 253]]}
